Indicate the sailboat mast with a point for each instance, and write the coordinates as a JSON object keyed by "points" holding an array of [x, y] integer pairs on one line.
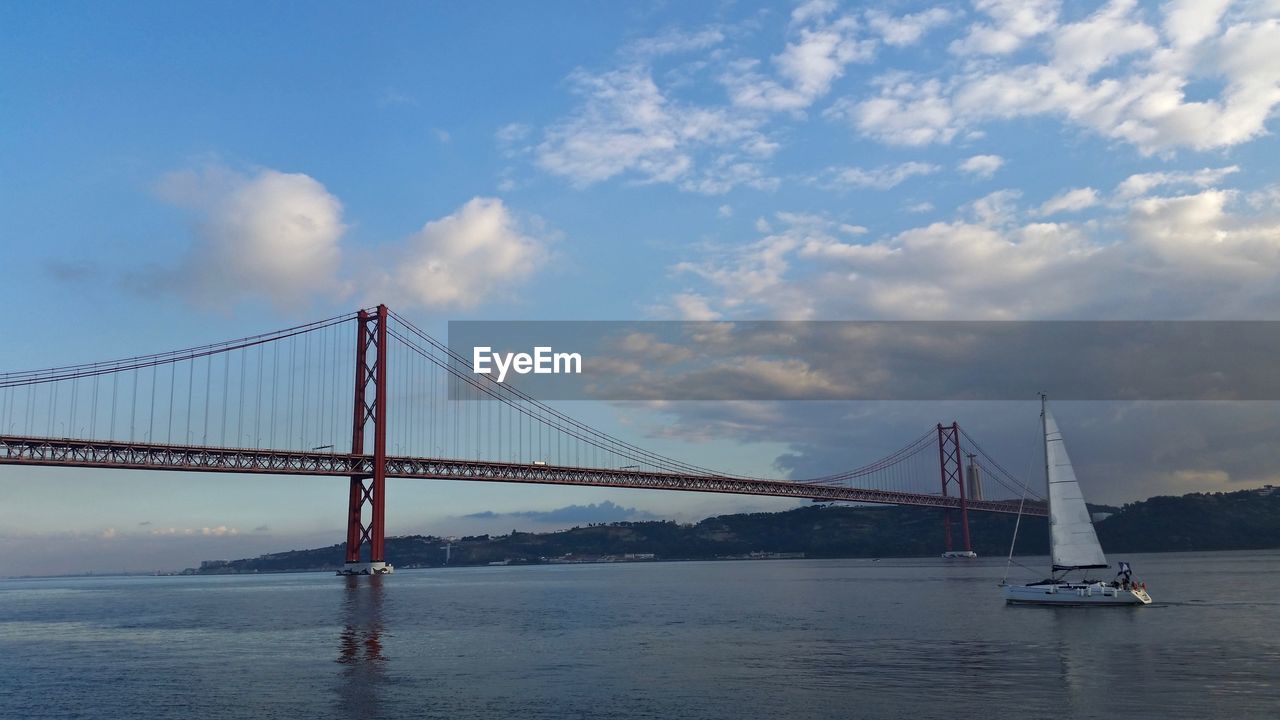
{"points": [[1044, 435]]}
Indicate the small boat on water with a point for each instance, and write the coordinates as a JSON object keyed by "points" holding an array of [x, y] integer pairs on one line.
{"points": [[1073, 543], [954, 554]]}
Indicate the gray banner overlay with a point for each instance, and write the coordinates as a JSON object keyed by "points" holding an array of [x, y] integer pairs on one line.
{"points": [[821, 360]]}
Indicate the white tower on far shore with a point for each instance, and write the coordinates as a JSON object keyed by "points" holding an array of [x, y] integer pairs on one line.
{"points": [[973, 479]]}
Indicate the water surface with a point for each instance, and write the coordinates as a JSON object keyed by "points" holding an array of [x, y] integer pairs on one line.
{"points": [[751, 639]]}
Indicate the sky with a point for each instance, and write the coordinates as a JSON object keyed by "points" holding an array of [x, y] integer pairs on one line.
{"points": [[175, 174]]}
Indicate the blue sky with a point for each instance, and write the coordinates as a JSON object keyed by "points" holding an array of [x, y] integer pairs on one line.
{"points": [[175, 174]]}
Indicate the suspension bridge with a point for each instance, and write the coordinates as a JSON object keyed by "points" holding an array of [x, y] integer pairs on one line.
{"points": [[369, 396]]}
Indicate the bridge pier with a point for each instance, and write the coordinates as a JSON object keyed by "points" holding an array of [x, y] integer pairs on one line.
{"points": [[366, 568], [368, 491]]}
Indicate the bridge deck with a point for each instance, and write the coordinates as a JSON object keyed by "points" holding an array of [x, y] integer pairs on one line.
{"points": [[65, 452]]}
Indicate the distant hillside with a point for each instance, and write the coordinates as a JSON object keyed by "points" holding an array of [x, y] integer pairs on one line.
{"points": [[1246, 520], [1218, 521]]}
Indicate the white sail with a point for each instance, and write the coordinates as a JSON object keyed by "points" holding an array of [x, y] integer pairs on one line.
{"points": [[1074, 542]]}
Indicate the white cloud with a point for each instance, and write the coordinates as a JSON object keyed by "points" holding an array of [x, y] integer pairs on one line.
{"points": [[807, 66], [1010, 23], [812, 10], [727, 172], [997, 208], [1069, 201], [1100, 39], [880, 178], [1183, 74], [277, 235], [752, 275], [1195, 256], [983, 166], [211, 531], [1196, 232], [463, 259], [1140, 99], [630, 125], [725, 211], [173, 531], [269, 234], [1188, 22], [675, 41], [692, 306], [907, 30], [1143, 183], [627, 125], [904, 113], [512, 133]]}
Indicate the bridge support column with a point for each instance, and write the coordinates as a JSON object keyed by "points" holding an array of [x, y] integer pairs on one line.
{"points": [[368, 489], [952, 469]]}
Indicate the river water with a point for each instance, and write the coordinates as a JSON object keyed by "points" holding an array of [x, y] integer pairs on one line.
{"points": [[750, 639]]}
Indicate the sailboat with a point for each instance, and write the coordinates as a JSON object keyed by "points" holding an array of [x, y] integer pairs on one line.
{"points": [[1073, 544]]}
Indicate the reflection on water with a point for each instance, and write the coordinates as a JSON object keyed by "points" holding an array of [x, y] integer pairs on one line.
{"points": [[1090, 663], [360, 646]]}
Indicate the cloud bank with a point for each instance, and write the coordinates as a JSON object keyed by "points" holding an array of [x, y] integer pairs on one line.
{"points": [[706, 111], [282, 237], [601, 512], [1209, 254]]}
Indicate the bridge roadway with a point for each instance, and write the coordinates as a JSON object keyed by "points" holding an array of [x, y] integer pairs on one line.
{"points": [[65, 452]]}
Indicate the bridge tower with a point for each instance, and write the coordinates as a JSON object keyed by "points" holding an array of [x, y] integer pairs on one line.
{"points": [[952, 468], [368, 489]]}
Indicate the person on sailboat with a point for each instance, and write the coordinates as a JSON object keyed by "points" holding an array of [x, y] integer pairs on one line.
{"points": [[1124, 578]]}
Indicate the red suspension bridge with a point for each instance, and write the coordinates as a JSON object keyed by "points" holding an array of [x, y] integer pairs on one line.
{"points": [[289, 403]]}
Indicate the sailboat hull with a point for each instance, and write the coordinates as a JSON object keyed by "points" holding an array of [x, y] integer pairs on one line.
{"points": [[1097, 593]]}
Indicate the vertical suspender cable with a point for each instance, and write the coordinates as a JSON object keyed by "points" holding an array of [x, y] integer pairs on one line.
{"points": [[115, 381], [151, 414], [208, 378], [75, 392], [257, 404], [226, 382], [133, 407], [292, 371], [244, 358], [275, 383], [93, 412], [306, 388], [191, 383], [173, 372], [53, 410]]}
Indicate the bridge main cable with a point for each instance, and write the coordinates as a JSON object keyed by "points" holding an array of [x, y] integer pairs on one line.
{"points": [[22, 378], [575, 428]]}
